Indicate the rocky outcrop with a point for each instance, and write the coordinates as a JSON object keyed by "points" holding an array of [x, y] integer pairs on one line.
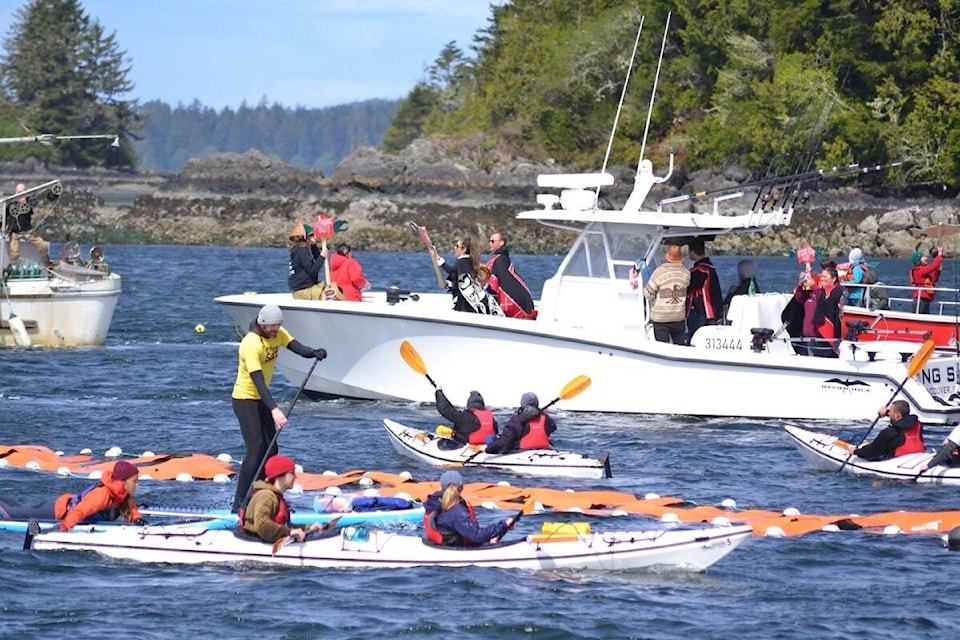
{"points": [[452, 187]]}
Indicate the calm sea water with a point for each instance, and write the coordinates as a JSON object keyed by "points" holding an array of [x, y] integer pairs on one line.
{"points": [[158, 385]]}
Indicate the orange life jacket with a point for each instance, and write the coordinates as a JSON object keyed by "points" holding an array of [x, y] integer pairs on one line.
{"points": [[485, 416], [282, 516], [536, 436], [913, 441]]}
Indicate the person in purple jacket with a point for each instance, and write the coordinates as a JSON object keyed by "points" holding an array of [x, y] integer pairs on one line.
{"points": [[448, 519]]}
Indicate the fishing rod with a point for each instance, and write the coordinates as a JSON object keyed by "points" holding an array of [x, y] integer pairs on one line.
{"points": [[47, 139]]}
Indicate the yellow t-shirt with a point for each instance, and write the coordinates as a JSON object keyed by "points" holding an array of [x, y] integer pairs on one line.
{"points": [[257, 354]]}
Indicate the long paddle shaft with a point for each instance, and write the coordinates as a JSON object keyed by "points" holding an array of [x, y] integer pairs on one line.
{"points": [[917, 362], [263, 460]]}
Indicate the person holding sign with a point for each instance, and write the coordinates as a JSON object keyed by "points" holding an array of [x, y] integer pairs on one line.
{"points": [[306, 262]]}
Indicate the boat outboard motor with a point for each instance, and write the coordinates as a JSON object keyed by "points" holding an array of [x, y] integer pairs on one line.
{"points": [[854, 329], [952, 539], [395, 294], [761, 336]]}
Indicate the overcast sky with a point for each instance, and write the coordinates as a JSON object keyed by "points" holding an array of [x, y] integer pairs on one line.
{"points": [[313, 53]]}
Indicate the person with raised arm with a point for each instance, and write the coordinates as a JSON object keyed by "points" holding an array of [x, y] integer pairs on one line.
{"points": [[473, 425], [923, 276]]}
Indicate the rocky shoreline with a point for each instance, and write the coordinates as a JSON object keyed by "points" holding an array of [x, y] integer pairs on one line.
{"points": [[252, 200]]}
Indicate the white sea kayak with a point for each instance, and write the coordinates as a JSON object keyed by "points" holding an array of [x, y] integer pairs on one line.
{"points": [[350, 547], [823, 452], [439, 451]]}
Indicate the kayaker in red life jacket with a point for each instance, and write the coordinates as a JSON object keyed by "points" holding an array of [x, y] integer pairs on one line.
{"points": [[109, 499], [450, 521], [267, 515], [474, 425], [528, 428], [903, 436]]}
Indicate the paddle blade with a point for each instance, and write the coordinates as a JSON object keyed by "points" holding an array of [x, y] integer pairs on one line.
{"points": [[920, 358], [528, 506], [412, 358], [575, 387], [331, 524], [281, 543]]}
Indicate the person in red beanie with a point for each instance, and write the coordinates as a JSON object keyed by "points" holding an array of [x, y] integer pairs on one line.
{"points": [[267, 515], [109, 499]]}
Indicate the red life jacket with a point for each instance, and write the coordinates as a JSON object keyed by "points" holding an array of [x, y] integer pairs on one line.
{"points": [[485, 416], [450, 538], [282, 516], [536, 436], [913, 441]]}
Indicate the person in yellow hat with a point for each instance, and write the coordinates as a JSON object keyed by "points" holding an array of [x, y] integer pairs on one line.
{"points": [[306, 263]]}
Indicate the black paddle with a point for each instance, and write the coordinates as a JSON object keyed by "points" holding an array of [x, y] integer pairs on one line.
{"points": [[263, 460], [917, 362], [33, 529]]}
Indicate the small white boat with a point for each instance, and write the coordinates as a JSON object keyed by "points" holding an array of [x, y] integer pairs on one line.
{"points": [[826, 452], [689, 549], [444, 452]]}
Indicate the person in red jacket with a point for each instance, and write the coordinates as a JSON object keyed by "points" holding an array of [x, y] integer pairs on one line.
{"points": [[528, 428], [924, 275], [109, 499], [903, 436], [346, 272], [473, 425]]}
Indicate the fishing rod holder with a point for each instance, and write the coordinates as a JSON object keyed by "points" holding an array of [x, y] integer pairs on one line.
{"points": [[395, 294], [761, 336]]}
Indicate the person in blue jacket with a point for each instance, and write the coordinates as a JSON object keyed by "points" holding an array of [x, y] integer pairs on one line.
{"points": [[449, 520]]}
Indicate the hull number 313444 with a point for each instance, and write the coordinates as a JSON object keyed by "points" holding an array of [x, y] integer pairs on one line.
{"points": [[723, 343]]}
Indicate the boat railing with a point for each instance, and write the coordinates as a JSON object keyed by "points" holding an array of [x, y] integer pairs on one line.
{"points": [[882, 297]]}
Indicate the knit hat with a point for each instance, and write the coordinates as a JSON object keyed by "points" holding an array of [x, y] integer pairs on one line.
{"points": [[529, 399], [270, 314], [856, 255], [916, 257], [277, 466], [299, 230], [674, 254], [123, 470], [475, 401], [343, 248], [451, 477]]}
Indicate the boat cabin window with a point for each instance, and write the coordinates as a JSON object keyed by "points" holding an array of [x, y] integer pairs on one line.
{"points": [[596, 254]]}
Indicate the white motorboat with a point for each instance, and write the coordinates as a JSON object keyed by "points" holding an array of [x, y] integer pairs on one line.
{"points": [[441, 452], [70, 304], [356, 547], [592, 321], [829, 453]]}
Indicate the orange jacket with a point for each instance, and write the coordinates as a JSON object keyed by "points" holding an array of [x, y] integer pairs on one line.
{"points": [[348, 274], [110, 493]]}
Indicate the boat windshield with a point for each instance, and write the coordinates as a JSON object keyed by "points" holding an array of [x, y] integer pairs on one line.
{"points": [[606, 251]]}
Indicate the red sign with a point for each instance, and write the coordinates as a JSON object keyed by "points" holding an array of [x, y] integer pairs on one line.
{"points": [[324, 227]]}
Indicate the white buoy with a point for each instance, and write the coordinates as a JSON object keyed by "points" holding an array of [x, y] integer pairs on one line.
{"points": [[729, 503], [58, 453], [537, 505], [371, 493], [791, 512], [4, 463], [774, 532], [575, 510], [403, 495], [329, 473], [86, 452], [489, 505], [95, 475], [721, 521], [298, 469], [225, 457], [20, 335], [670, 518], [892, 530], [569, 491], [406, 475], [148, 454], [147, 476], [63, 471], [503, 483], [830, 528], [332, 491], [221, 478], [184, 477], [652, 496], [365, 481], [113, 452], [33, 465], [618, 513], [297, 489]]}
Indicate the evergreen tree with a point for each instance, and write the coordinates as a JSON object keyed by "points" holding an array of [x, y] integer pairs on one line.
{"points": [[62, 74]]}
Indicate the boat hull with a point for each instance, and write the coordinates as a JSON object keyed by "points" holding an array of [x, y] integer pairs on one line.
{"points": [[631, 374], [693, 550], [62, 310], [823, 452], [429, 448]]}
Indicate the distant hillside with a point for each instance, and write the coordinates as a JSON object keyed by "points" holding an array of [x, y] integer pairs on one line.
{"points": [[311, 139]]}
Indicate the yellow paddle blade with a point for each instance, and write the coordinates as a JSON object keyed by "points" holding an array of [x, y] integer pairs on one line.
{"points": [[412, 358], [920, 358], [575, 387], [528, 506]]}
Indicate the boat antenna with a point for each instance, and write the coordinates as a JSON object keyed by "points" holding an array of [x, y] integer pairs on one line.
{"points": [[653, 94], [623, 94]]}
